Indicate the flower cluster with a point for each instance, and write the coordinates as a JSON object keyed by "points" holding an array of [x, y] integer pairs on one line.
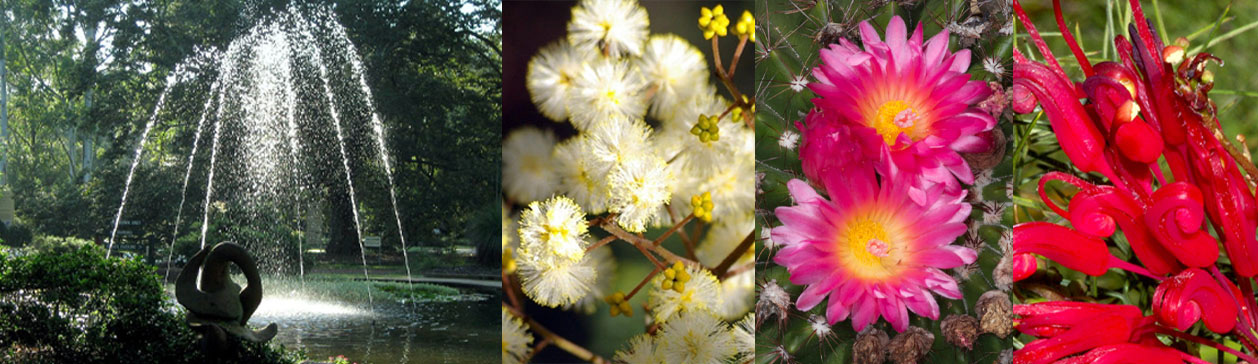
{"points": [[872, 229], [1144, 115], [658, 150]]}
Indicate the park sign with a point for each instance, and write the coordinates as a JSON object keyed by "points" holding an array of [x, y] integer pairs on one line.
{"points": [[125, 227], [371, 241]]}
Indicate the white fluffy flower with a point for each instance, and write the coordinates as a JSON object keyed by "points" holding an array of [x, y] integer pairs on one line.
{"points": [[745, 337], [605, 89], [697, 160], [527, 169], [617, 27], [604, 264], [552, 233], [517, 342], [702, 293], [553, 266], [550, 77], [733, 194], [581, 176], [641, 350], [559, 285], [697, 337], [639, 187], [738, 290], [676, 69]]}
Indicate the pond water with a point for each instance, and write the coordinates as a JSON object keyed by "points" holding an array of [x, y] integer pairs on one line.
{"points": [[465, 330]]}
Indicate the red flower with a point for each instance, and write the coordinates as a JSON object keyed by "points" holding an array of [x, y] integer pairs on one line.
{"points": [[1192, 295], [1069, 328]]}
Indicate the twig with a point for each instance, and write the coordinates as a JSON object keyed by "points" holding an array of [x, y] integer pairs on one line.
{"points": [[572, 348], [643, 283], [733, 256], [742, 41], [643, 243], [739, 269], [660, 240], [600, 243], [509, 289]]}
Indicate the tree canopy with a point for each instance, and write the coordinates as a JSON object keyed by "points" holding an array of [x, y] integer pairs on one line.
{"points": [[84, 76]]}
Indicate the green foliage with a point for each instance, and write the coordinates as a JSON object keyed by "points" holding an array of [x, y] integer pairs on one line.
{"points": [[16, 234], [77, 107], [71, 305], [789, 41], [44, 244], [484, 231]]}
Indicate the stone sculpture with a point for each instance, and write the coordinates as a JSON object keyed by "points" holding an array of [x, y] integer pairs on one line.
{"points": [[219, 306]]}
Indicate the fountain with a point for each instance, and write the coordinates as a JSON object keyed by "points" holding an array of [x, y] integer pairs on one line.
{"points": [[287, 139], [288, 86]]}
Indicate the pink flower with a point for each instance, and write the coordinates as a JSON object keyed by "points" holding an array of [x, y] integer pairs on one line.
{"points": [[875, 248], [914, 98]]}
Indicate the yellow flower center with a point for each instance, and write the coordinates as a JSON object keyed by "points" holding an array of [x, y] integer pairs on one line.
{"points": [[895, 117], [611, 96], [557, 239], [870, 252]]}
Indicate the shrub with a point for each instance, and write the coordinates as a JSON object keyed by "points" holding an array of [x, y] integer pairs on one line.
{"points": [[71, 305]]}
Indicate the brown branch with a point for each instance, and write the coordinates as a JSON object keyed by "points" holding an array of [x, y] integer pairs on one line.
{"points": [[643, 283], [643, 243], [660, 240], [733, 256], [600, 243], [572, 348], [742, 41]]}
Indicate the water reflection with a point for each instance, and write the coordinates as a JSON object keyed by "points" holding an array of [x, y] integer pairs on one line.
{"points": [[463, 331]]}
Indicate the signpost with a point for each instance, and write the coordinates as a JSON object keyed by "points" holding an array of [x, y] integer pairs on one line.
{"points": [[373, 242]]}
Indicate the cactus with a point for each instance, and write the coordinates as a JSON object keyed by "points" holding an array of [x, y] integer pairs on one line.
{"points": [[790, 35]]}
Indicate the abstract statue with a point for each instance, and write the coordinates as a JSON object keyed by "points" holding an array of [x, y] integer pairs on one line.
{"points": [[219, 306]]}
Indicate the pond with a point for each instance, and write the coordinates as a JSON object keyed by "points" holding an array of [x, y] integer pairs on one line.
{"points": [[326, 318], [460, 331]]}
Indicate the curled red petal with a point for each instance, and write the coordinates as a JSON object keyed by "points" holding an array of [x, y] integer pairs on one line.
{"points": [[1098, 209], [1127, 353], [1069, 328], [1176, 218], [1192, 295], [1062, 245]]}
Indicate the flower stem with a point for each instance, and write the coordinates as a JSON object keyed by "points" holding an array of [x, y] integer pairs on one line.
{"points": [[1243, 328], [644, 244], [509, 289], [1202, 341], [572, 348], [742, 42], [716, 56], [660, 240], [733, 256], [600, 243], [643, 283]]}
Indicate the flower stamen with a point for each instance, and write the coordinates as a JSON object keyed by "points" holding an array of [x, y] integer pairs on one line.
{"points": [[894, 118]]}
